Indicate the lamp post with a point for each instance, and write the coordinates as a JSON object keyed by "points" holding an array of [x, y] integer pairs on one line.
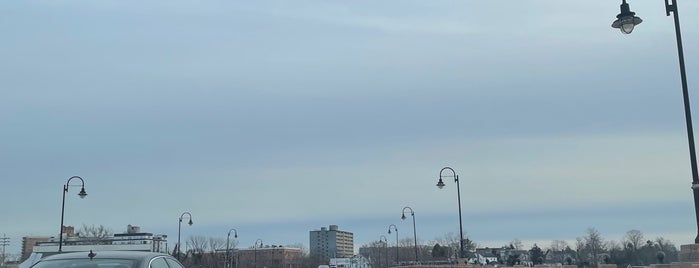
{"points": [[383, 239], [255, 250], [412, 213], [626, 20], [179, 231], [378, 259], [389, 232], [82, 194], [441, 185], [228, 241]]}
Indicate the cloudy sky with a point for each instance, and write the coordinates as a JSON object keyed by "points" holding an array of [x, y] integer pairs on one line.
{"points": [[281, 117]]}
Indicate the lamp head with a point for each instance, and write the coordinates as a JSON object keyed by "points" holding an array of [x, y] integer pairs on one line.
{"points": [[626, 20], [440, 184], [236, 235], [82, 193], [190, 222], [402, 217], [389, 230]]}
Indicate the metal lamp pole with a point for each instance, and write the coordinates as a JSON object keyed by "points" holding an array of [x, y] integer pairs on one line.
{"points": [[383, 239], [627, 20], [179, 231], [412, 213], [255, 247], [228, 241], [441, 185], [389, 232], [82, 194]]}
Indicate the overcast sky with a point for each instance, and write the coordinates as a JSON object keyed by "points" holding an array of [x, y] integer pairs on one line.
{"points": [[281, 117]]}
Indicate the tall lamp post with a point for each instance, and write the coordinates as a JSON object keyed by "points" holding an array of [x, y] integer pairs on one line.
{"points": [[255, 250], [378, 260], [389, 232], [412, 213], [179, 231], [383, 239], [228, 242], [626, 21], [82, 194], [441, 185]]}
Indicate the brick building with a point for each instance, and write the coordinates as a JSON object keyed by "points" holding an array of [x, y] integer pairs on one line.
{"points": [[267, 256]]}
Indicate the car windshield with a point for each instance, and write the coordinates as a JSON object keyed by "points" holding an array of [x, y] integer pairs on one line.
{"points": [[86, 263]]}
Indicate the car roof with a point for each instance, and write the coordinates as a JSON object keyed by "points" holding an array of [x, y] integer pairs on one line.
{"points": [[107, 254]]}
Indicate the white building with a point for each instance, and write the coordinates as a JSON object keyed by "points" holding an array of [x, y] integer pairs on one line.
{"points": [[132, 240]]}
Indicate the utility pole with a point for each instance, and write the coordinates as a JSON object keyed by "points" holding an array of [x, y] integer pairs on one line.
{"points": [[4, 241]]}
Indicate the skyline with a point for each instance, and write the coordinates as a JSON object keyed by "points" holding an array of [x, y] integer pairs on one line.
{"points": [[278, 118]]}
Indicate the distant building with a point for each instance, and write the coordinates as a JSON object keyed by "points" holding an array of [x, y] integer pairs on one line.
{"points": [[354, 262], [28, 243], [268, 256], [502, 254], [133, 239], [328, 243]]}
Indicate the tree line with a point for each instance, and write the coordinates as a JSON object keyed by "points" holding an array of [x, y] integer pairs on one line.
{"points": [[588, 250]]}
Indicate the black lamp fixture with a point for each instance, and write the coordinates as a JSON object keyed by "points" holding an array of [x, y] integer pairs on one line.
{"points": [[626, 20]]}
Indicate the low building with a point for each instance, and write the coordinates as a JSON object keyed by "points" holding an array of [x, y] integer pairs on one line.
{"points": [[133, 240], [28, 243], [268, 256]]}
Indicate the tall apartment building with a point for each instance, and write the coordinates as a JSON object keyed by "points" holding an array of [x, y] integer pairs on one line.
{"points": [[328, 243]]}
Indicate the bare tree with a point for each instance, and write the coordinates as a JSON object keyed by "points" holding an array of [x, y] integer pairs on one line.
{"points": [[516, 244], [558, 245], [634, 238], [198, 243], [580, 249], [633, 241], [557, 249], [451, 241], [594, 243], [95, 231], [216, 243], [97, 234], [668, 248]]}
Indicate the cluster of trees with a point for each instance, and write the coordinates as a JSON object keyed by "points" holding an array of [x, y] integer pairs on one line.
{"points": [[633, 249], [589, 250], [438, 250]]}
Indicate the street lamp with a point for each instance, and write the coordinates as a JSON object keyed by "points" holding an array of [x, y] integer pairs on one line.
{"points": [[626, 20], [82, 194], [441, 185], [389, 232], [412, 213], [672, 8], [228, 241], [179, 231], [383, 239], [255, 250]]}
